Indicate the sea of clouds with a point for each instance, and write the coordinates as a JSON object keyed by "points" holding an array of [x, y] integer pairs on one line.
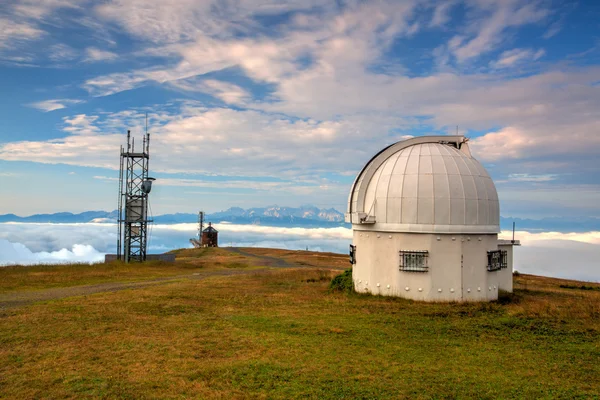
{"points": [[564, 255]]}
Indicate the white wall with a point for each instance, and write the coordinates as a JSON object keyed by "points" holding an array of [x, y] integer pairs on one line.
{"points": [[479, 284], [377, 266], [505, 276]]}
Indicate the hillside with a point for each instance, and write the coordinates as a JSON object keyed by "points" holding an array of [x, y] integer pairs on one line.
{"points": [[261, 323]]}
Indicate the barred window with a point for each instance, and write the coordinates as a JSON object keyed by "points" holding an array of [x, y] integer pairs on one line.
{"points": [[496, 260], [414, 261], [352, 254]]}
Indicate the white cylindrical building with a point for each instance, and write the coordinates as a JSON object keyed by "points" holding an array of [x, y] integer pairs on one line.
{"points": [[425, 218]]}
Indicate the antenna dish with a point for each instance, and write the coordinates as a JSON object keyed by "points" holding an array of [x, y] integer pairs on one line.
{"points": [[147, 185]]}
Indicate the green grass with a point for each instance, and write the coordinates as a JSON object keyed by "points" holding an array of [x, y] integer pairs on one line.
{"points": [[283, 334]]}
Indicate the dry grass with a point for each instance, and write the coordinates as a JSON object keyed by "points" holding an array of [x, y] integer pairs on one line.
{"points": [[214, 258], [304, 258], [49, 276], [281, 334], [546, 299], [188, 261]]}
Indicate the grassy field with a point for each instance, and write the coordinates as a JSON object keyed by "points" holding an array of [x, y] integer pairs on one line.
{"points": [[279, 333], [52, 276]]}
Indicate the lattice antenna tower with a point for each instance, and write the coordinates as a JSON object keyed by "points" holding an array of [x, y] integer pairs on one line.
{"points": [[200, 224], [134, 187]]}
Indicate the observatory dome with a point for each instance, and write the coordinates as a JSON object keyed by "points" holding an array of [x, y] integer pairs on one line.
{"points": [[427, 185]]}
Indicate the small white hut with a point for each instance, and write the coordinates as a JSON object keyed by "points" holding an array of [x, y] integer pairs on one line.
{"points": [[425, 218]]}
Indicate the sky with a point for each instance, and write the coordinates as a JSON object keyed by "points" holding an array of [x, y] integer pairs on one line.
{"points": [[252, 103]]}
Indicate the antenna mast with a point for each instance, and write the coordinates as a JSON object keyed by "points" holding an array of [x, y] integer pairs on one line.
{"points": [[200, 224], [513, 237], [134, 187], [197, 242]]}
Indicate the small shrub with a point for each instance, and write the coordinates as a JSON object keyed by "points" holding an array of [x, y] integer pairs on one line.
{"points": [[582, 287], [516, 273], [342, 282], [505, 297], [322, 277]]}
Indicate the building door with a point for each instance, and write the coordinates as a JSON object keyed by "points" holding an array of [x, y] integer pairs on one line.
{"points": [[473, 271]]}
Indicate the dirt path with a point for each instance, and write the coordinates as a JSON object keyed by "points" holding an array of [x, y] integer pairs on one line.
{"points": [[23, 298], [274, 262]]}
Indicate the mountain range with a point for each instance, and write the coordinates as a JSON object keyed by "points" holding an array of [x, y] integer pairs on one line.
{"points": [[305, 216]]}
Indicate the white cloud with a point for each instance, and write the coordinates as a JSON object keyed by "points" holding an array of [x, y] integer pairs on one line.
{"points": [[299, 186], [312, 233], [561, 255], [16, 253], [12, 32], [242, 143], [227, 92], [191, 18], [114, 83], [532, 178], [94, 54], [81, 124], [511, 58], [345, 39], [354, 122], [48, 238], [71, 150], [560, 259], [55, 104], [21, 20], [545, 140], [553, 29], [533, 112], [492, 20], [538, 238], [62, 52], [441, 13], [39, 9]]}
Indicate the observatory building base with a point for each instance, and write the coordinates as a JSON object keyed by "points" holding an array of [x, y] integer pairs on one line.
{"points": [[443, 267]]}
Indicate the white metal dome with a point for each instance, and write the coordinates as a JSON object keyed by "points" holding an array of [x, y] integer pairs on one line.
{"points": [[427, 184]]}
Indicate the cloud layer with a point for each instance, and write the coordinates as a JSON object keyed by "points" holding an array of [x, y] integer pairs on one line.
{"points": [[17, 253], [564, 255]]}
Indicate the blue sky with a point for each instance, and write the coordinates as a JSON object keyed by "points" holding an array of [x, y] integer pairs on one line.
{"points": [[252, 103]]}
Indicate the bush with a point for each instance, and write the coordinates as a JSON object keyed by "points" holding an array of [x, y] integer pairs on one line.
{"points": [[505, 297], [342, 282], [516, 273], [582, 287]]}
